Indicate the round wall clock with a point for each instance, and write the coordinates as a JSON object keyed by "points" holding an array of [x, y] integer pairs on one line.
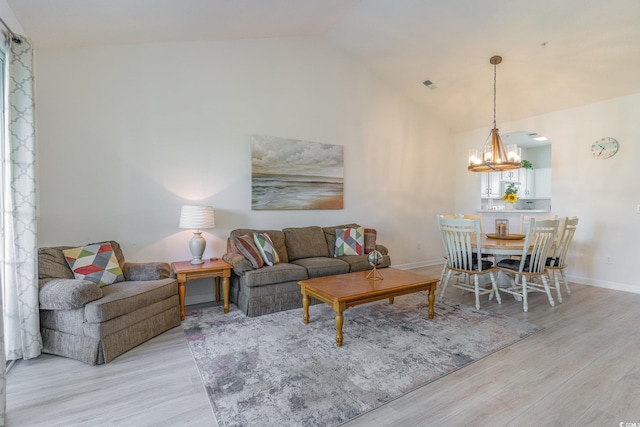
{"points": [[604, 148]]}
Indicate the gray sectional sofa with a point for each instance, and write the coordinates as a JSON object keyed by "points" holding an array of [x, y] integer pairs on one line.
{"points": [[304, 252], [95, 324]]}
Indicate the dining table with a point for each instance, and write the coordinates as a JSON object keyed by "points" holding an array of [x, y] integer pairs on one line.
{"points": [[502, 247]]}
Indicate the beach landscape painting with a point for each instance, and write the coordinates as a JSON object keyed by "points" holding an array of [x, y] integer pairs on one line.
{"points": [[294, 174]]}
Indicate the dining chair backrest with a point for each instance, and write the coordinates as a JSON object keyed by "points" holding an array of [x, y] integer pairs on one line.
{"points": [[468, 216], [537, 244], [458, 237], [566, 230], [526, 219], [476, 216]]}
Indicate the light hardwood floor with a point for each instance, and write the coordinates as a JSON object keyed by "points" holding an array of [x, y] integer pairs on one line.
{"points": [[581, 370]]}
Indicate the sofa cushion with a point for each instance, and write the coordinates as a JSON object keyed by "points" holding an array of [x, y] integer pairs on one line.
{"points": [[281, 272], [322, 266], [277, 238], [247, 248], [96, 263], [126, 297], [361, 263], [52, 264], [67, 294], [265, 247], [305, 242], [349, 241]]}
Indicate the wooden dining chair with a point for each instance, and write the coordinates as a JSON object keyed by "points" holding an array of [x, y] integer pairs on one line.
{"points": [[556, 263], [528, 271], [464, 216], [526, 219], [458, 234]]}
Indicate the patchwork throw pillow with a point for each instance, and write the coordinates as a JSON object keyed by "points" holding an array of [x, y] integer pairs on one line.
{"points": [[96, 263], [370, 235], [265, 247], [247, 248], [349, 241]]}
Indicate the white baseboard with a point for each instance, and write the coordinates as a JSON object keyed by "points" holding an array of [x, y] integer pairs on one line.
{"points": [[616, 286], [419, 264], [625, 287]]}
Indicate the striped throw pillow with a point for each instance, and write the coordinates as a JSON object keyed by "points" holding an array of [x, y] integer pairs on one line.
{"points": [[247, 248], [265, 247]]}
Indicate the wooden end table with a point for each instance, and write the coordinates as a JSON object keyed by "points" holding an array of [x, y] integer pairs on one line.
{"points": [[186, 271]]}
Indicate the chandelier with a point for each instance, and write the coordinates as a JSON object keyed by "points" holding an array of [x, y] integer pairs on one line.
{"points": [[493, 156]]}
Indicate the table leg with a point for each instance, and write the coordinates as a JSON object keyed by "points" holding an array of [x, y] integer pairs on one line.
{"points": [[217, 281], [225, 291], [305, 306], [391, 300], [432, 300], [181, 292], [339, 321]]}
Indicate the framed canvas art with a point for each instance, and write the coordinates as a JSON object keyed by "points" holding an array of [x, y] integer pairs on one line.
{"points": [[294, 174]]}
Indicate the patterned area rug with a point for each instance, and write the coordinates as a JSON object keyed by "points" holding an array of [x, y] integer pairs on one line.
{"points": [[273, 370]]}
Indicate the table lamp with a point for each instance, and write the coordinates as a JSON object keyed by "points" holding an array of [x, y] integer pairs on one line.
{"points": [[196, 218]]}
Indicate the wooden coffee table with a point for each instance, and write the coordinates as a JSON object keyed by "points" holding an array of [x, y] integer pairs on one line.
{"points": [[348, 290]]}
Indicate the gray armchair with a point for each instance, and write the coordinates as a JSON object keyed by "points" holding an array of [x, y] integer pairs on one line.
{"points": [[95, 324]]}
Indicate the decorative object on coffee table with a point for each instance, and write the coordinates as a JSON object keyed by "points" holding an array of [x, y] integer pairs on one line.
{"points": [[375, 259], [197, 218]]}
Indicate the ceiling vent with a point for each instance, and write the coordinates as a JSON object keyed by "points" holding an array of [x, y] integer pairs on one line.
{"points": [[429, 84]]}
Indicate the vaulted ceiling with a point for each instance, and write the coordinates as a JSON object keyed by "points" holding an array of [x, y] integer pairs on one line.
{"points": [[557, 54]]}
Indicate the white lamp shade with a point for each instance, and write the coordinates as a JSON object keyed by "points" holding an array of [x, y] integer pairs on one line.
{"points": [[196, 217]]}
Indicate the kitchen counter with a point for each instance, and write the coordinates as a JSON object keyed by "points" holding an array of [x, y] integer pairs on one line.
{"points": [[513, 211]]}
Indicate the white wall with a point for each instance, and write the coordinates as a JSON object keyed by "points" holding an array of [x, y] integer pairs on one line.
{"points": [[126, 134], [604, 194]]}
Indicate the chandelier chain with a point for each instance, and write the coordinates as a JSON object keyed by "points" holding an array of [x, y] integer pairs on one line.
{"points": [[495, 72]]}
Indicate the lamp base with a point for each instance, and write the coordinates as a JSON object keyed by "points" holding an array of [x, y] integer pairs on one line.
{"points": [[196, 246]]}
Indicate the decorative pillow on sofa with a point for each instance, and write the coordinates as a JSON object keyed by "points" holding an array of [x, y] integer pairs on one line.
{"points": [[266, 248], [247, 248], [350, 241], [96, 263], [370, 235]]}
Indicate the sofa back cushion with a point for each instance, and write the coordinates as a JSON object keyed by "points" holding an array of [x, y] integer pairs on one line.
{"points": [[95, 263], [305, 242], [330, 235], [277, 237], [52, 263]]}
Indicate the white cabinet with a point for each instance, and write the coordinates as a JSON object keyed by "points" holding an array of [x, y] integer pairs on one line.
{"points": [[511, 176], [490, 184], [542, 182], [527, 184]]}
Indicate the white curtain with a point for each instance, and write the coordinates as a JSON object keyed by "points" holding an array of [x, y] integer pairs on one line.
{"points": [[18, 262]]}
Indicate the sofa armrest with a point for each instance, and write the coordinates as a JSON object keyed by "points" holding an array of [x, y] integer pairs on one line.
{"points": [[382, 249], [67, 294], [239, 262], [142, 271]]}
